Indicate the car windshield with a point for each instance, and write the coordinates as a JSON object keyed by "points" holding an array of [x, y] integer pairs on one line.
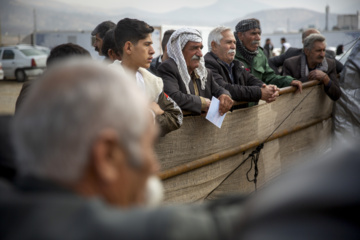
{"points": [[32, 52]]}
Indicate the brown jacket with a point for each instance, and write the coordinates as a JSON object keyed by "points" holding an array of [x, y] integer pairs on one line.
{"points": [[293, 67]]}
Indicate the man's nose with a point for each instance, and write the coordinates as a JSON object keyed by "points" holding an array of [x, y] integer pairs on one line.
{"points": [[199, 53], [151, 50]]}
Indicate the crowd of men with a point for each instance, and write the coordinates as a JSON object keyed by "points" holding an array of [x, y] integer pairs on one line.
{"points": [[236, 68], [84, 135]]}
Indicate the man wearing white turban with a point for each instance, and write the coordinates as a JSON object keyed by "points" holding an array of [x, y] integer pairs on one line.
{"points": [[185, 77]]}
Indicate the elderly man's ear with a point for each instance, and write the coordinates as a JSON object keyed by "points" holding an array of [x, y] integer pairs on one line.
{"points": [[107, 156]]}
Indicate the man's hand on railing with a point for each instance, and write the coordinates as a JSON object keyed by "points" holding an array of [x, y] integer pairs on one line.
{"points": [[298, 84], [269, 93]]}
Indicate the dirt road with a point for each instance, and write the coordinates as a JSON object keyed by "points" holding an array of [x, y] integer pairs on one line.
{"points": [[9, 91]]}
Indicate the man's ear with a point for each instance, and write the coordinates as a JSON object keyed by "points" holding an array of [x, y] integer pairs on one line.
{"points": [[213, 45], [107, 155], [128, 47], [306, 51]]}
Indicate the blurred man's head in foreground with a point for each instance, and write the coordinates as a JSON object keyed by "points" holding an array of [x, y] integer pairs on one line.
{"points": [[86, 127]]}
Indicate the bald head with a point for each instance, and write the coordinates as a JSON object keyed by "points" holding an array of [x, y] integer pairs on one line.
{"points": [[309, 31]]}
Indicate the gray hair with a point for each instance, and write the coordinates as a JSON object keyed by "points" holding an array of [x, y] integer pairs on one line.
{"points": [[311, 39], [102, 28], [216, 35], [66, 111]]}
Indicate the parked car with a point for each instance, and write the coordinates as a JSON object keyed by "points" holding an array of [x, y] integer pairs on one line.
{"points": [[22, 61], [1, 72]]}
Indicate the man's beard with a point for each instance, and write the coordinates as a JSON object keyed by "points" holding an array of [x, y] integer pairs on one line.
{"points": [[154, 192]]}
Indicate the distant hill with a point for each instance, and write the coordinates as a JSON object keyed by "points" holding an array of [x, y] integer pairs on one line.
{"points": [[296, 18], [17, 16]]}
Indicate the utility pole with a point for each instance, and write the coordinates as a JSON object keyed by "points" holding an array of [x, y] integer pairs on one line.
{"points": [[327, 18], [34, 33]]}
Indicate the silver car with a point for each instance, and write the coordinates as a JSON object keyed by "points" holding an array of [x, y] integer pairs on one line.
{"points": [[22, 61]]}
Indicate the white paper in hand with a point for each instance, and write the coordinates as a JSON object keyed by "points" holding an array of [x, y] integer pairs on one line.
{"points": [[213, 114]]}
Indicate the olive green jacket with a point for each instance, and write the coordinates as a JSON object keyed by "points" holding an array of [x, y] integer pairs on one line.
{"points": [[261, 70]]}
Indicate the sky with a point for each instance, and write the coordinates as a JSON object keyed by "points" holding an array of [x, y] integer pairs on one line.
{"points": [[160, 6]]}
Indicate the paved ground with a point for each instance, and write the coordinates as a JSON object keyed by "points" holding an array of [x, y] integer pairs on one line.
{"points": [[9, 91]]}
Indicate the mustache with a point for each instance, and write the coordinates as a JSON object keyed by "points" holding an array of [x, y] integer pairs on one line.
{"points": [[255, 42], [195, 57], [231, 51]]}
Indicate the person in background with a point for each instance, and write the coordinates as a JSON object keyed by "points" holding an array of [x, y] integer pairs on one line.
{"points": [[248, 51], [339, 50], [313, 65], [134, 43], [58, 53], [284, 45], [186, 79], [109, 47], [268, 48], [99, 33], [155, 63], [277, 62], [230, 73]]}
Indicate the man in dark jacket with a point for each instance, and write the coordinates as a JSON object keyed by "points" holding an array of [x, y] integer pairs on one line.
{"points": [[249, 52], [278, 61], [230, 73], [313, 65], [185, 77]]}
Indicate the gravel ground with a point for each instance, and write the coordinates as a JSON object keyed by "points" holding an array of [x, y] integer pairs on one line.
{"points": [[9, 91]]}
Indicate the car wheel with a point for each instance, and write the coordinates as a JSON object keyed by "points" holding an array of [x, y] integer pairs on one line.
{"points": [[20, 75]]}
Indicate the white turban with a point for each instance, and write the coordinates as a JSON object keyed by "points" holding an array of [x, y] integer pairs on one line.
{"points": [[175, 45]]}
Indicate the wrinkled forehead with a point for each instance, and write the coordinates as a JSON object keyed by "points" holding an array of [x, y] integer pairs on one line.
{"points": [[192, 44], [254, 30]]}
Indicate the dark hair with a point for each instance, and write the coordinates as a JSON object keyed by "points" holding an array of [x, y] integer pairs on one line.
{"points": [[166, 37], [64, 51], [283, 39], [339, 49], [131, 30], [102, 28], [108, 43]]}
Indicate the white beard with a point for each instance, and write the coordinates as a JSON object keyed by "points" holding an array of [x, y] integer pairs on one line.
{"points": [[154, 192]]}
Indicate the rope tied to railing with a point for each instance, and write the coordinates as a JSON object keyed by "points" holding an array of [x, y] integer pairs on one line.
{"points": [[254, 155]]}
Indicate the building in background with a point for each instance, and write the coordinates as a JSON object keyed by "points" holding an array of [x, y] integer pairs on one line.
{"points": [[348, 21]]}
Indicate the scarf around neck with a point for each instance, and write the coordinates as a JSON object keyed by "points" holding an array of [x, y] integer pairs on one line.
{"points": [[247, 55], [175, 46], [304, 68]]}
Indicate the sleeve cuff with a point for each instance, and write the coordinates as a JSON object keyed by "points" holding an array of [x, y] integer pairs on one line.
{"points": [[203, 103], [328, 85]]}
